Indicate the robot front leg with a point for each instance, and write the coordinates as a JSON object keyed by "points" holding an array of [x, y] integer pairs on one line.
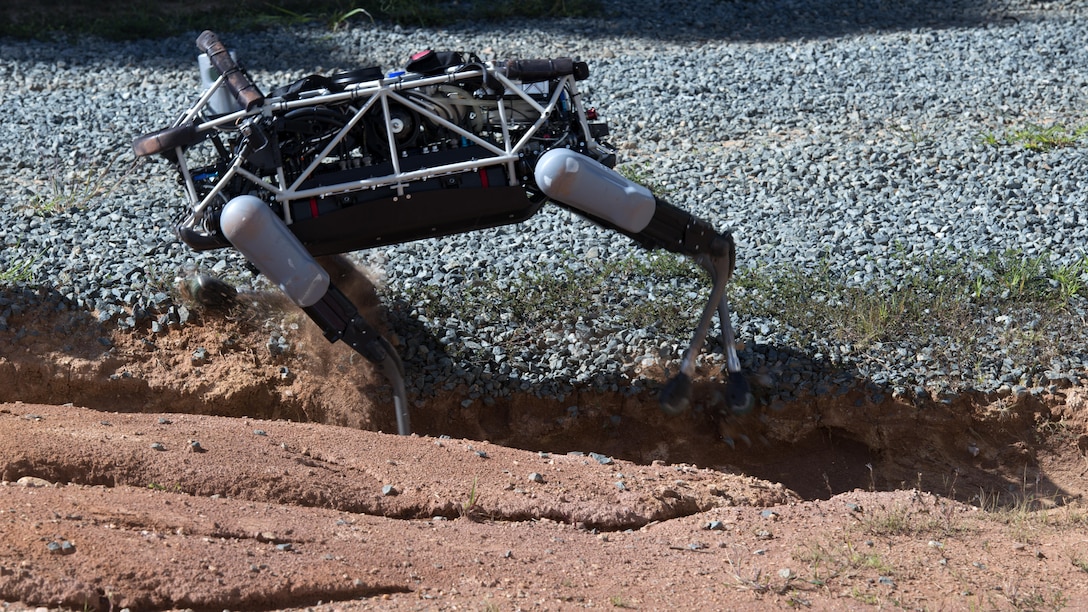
{"points": [[592, 189], [267, 243]]}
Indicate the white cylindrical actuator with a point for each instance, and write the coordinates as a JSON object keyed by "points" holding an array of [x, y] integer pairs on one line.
{"points": [[266, 241], [221, 101], [584, 183]]}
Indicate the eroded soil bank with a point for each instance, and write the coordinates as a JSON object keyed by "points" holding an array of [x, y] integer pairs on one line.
{"points": [[860, 436], [201, 468]]}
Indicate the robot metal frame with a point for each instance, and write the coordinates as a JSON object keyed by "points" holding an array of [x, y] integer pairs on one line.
{"points": [[360, 159]]}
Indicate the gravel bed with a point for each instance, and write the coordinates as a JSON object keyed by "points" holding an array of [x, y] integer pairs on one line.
{"points": [[818, 132]]}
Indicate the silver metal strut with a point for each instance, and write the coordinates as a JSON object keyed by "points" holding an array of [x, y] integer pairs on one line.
{"points": [[676, 396]]}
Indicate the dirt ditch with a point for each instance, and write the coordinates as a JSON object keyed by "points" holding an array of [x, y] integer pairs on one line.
{"points": [[200, 468]]}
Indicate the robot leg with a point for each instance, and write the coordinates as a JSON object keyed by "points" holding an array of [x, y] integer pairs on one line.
{"points": [[596, 191], [265, 240]]}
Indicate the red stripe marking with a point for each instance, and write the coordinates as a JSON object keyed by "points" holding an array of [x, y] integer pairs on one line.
{"points": [[483, 179], [313, 206]]}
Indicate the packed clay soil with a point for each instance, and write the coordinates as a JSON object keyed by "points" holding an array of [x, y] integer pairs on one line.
{"points": [[198, 468]]}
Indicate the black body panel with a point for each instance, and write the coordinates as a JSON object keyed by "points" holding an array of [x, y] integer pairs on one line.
{"points": [[423, 214]]}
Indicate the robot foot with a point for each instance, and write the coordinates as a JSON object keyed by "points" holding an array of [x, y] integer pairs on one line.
{"points": [[208, 291]]}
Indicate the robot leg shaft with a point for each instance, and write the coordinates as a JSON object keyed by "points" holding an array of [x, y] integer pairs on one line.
{"points": [[266, 241], [593, 189], [601, 194], [340, 320]]}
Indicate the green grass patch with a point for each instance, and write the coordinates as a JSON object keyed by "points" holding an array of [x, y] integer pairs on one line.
{"points": [[1039, 138], [66, 191], [829, 561], [59, 196], [950, 296], [17, 272], [939, 294], [537, 299], [643, 176], [618, 601], [1015, 276], [925, 299], [471, 505]]}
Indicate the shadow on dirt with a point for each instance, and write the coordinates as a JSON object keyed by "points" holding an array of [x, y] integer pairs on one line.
{"points": [[819, 439], [837, 434]]}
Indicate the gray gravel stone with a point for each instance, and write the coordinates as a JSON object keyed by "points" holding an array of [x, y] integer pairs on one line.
{"points": [[812, 130]]}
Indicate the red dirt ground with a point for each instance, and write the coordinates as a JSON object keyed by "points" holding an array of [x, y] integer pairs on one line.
{"points": [[137, 476]]}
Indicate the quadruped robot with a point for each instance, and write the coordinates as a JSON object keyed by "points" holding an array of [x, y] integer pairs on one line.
{"points": [[361, 159]]}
